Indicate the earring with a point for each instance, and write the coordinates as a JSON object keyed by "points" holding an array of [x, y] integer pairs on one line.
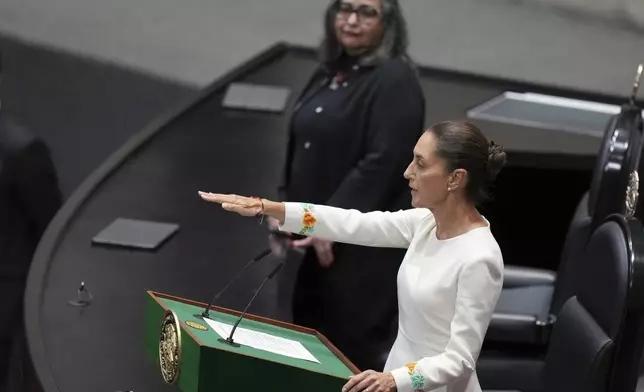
{"points": [[449, 189]]}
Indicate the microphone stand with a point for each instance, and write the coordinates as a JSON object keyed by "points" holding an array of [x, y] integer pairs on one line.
{"points": [[206, 312], [229, 340]]}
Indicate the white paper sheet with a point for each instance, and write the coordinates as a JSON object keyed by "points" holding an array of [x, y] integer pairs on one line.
{"points": [[263, 341]]}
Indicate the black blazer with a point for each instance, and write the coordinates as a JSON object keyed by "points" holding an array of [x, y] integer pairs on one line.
{"points": [[29, 196], [349, 147]]}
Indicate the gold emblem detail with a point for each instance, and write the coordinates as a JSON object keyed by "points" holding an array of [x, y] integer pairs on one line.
{"points": [[632, 194], [170, 347], [196, 325]]}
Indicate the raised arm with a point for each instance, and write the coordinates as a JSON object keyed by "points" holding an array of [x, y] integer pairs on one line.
{"points": [[479, 286], [382, 229], [377, 228]]}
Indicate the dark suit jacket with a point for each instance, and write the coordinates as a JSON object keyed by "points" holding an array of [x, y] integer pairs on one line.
{"points": [[354, 152], [29, 197]]}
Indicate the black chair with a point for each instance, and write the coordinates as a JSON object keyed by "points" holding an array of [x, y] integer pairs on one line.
{"points": [[590, 342], [630, 347], [531, 298]]}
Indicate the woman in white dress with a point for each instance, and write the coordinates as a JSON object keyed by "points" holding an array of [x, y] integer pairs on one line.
{"points": [[452, 274]]}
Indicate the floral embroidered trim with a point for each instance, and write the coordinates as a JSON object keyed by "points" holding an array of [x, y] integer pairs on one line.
{"points": [[308, 220], [417, 379]]}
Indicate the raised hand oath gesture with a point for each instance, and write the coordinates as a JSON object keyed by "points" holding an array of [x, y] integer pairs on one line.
{"points": [[245, 206], [251, 206]]}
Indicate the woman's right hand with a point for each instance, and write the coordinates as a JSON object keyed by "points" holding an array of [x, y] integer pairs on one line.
{"points": [[246, 206], [249, 206]]}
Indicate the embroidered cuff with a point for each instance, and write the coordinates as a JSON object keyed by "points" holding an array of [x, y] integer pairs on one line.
{"points": [[308, 220], [408, 379], [299, 218]]}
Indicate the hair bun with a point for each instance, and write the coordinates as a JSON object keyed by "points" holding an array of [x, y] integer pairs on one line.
{"points": [[496, 159]]}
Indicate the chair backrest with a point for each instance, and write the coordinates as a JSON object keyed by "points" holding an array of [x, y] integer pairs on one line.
{"points": [[584, 340], [618, 158], [630, 347], [611, 191], [574, 245]]}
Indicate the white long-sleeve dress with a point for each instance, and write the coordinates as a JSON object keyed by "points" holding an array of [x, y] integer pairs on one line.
{"points": [[447, 289]]}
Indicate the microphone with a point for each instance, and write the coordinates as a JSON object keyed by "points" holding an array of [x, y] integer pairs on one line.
{"points": [[84, 297], [229, 340], [261, 255]]}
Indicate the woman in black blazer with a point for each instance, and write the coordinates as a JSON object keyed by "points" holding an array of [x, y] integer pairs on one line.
{"points": [[350, 139]]}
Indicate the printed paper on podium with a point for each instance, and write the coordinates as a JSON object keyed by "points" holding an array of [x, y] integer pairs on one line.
{"points": [[263, 341]]}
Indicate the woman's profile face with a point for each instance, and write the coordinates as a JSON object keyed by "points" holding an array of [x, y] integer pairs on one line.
{"points": [[427, 174], [358, 25]]}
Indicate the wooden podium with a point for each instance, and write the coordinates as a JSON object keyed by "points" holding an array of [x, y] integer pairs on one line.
{"points": [[189, 352]]}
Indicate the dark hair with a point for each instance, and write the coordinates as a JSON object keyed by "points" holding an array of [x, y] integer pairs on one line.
{"points": [[394, 41], [463, 146], [0, 62]]}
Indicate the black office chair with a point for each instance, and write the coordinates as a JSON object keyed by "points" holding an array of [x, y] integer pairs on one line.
{"points": [[630, 349], [531, 298], [590, 342]]}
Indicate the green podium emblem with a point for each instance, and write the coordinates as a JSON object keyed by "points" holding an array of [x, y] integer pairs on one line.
{"points": [[170, 347]]}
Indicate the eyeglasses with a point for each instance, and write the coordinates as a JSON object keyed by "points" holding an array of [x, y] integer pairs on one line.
{"points": [[364, 12]]}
